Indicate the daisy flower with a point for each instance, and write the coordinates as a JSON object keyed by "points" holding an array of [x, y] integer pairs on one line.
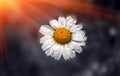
{"points": [[62, 38]]}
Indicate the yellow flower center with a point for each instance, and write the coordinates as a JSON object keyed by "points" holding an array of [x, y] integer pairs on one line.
{"points": [[62, 35]]}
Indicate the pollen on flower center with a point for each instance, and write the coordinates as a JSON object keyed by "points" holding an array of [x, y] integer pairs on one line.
{"points": [[62, 35]]}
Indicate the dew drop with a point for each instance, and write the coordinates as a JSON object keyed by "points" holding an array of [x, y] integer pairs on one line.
{"points": [[73, 51]]}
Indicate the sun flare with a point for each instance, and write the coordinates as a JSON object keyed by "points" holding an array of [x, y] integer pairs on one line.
{"points": [[4, 4]]}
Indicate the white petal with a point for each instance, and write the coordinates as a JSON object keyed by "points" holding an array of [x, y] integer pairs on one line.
{"points": [[60, 54], [79, 36], [65, 54], [79, 32], [83, 43], [57, 52], [76, 28], [44, 38], [76, 46], [71, 18], [54, 23], [47, 51], [62, 21], [51, 50], [69, 51], [70, 21], [46, 30], [48, 44], [79, 50], [50, 53]]}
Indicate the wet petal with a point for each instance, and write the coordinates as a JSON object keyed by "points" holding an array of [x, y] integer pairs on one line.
{"points": [[70, 21], [44, 38], [79, 36], [65, 55], [76, 28], [54, 23], [46, 30], [76, 46], [48, 44], [69, 51], [62, 21]]}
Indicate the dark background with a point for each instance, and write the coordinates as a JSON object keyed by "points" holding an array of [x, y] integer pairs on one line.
{"points": [[100, 56]]}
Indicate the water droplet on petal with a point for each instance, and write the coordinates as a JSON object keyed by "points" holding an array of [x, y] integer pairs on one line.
{"points": [[73, 51], [78, 28]]}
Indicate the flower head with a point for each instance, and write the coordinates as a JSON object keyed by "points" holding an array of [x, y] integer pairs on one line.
{"points": [[63, 38]]}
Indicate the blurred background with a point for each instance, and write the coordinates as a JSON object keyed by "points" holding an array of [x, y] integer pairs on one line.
{"points": [[22, 55]]}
